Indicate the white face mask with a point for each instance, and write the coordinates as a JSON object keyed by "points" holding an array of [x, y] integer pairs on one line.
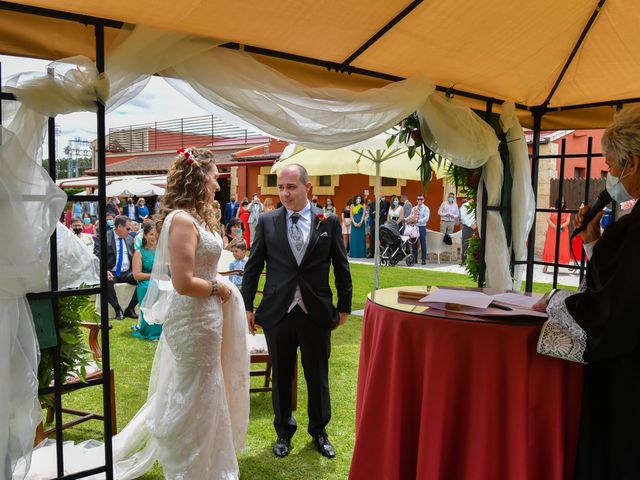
{"points": [[616, 188]]}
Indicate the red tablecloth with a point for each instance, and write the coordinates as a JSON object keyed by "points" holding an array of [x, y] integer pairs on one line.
{"points": [[448, 399]]}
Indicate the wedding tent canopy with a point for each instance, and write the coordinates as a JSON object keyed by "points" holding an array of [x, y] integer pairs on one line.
{"points": [[321, 74], [543, 53]]}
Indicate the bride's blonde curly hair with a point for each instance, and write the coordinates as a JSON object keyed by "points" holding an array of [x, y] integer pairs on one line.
{"points": [[187, 187]]}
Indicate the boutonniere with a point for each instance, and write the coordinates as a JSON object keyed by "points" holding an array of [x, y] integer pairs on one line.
{"points": [[320, 219]]}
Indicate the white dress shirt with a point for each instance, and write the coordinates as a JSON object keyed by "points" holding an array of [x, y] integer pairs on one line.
{"points": [[125, 254], [304, 223]]}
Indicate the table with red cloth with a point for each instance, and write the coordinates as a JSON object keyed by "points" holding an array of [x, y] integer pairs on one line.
{"points": [[448, 396]]}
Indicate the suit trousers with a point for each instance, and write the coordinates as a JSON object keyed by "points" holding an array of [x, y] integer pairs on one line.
{"points": [[125, 277], [467, 232], [297, 330]]}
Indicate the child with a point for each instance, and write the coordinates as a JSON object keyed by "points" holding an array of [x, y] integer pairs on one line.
{"points": [[239, 251]]}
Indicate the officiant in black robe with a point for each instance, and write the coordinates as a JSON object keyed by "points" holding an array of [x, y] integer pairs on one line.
{"points": [[607, 309]]}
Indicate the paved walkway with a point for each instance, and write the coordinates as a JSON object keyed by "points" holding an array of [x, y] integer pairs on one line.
{"points": [[564, 276]]}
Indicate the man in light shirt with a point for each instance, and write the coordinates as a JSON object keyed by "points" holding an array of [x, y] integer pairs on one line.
{"points": [[299, 245], [449, 214], [468, 220]]}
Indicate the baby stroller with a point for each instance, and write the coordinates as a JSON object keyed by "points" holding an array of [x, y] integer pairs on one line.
{"points": [[393, 244]]}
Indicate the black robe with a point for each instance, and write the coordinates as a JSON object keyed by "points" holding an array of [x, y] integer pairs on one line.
{"points": [[609, 312]]}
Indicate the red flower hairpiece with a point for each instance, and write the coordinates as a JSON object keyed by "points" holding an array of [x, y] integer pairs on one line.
{"points": [[187, 155]]}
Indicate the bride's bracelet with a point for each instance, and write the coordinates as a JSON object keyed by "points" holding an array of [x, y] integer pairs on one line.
{"points": [[214, 288]]}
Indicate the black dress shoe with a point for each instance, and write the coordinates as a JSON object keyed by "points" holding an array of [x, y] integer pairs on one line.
{"points": [[281, 447], [324, 446], [119, 314], [131, 313]]}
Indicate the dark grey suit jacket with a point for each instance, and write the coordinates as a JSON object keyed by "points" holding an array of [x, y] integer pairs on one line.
{"points": [[271, 246], [111, 249]]}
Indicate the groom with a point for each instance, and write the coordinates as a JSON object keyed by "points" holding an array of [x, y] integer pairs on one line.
{"points": [[298, 245]]}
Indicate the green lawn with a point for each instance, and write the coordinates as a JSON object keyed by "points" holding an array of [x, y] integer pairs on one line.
{"points": [[131, 358]]}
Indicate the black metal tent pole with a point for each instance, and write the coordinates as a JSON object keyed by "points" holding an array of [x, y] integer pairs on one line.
{"points": [[104, 307], [563, 152], [587, 191], [535, 167], [483, 223], [392, 23]]}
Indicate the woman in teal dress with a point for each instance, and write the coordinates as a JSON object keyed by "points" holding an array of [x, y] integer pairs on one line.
{"points": [[358, 248], [142, 266]]}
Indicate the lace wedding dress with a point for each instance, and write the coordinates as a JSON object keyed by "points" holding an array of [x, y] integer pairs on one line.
{"points": [[197, 408]]}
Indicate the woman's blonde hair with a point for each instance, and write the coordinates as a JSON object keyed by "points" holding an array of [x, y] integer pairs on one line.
{"points": [[187, 187], [268, 202], [621, 139], [141, 201]]}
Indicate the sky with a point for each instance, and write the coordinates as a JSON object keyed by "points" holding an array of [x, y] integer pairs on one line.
{"points": [[157, 102]]}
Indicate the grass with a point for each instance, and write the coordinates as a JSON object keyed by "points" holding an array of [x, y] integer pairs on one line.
{"points": [[131, 359]]}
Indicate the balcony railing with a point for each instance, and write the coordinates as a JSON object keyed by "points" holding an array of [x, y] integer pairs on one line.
{"points": [[203, 131]]}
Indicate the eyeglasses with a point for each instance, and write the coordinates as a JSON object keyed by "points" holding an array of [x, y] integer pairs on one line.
{"points": [[128, 229], [420, 199]]}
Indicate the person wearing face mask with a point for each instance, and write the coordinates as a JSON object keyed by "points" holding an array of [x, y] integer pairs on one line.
{"points": [[255, 209], [396, 211], [358, 248], [449, 214], [85, 238], [87, 226], [130, 209], [605, 311], [110, 222], [329, 208]]}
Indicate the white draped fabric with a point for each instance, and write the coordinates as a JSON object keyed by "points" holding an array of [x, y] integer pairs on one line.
{"points": [[233, 81], [523, 201]]}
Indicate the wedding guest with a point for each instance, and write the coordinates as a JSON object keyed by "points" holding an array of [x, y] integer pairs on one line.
{"points": [[157, 205], [406, 206], [142, 211], [85, 238], [243, 215], [119, 259], [268, 205], [76, 210], [230, 209], [314, 202], [606, 311], [449, 214], [329, 209], [396, 211], [130, 209], [255, 209], [113, 208], [468, 220], [233, 234], [549, 252], [357, 247], [239, 251], [110, 221], [142, 268], [217, 212], [420, 216], [346, 223], [87, 226]]}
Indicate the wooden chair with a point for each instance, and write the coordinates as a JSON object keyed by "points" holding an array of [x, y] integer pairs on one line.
{"points": [[259, 354], [94, 372]]}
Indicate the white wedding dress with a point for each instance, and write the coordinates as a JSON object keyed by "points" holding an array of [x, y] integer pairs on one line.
{"points": [[197, 409]]}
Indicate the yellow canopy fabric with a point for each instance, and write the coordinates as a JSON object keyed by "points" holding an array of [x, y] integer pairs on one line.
{"points": [[497, 48]]}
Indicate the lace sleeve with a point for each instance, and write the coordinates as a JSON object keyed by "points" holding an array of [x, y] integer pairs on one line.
{"points": [[561, 336]]}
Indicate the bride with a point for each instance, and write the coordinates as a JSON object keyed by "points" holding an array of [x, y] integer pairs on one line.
{"points": [[197, 408]]}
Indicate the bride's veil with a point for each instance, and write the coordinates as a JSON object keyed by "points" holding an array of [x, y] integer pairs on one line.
{"points": [[157, 299]]}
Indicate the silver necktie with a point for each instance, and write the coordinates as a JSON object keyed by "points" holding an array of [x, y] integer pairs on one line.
{"points": [[295, 233]]}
